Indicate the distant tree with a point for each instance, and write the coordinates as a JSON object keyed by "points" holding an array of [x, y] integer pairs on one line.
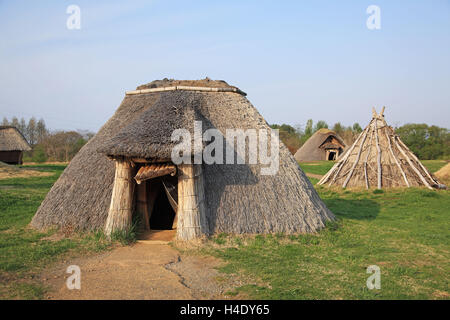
{"points": [[338, 128], [320, 125], [23, 128], [39, 154], [15, 122], [289, 136], [5, 122], [356, 128], [309, 128], [41, 131], [31, 131], [427, 142]]}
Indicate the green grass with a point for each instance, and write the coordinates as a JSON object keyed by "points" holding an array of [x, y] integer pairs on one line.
{"points": [[23, 251], [405, 232], [317, 167], [433, 165]]}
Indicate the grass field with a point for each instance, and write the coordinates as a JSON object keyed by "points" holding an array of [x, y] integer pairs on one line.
{"points": [[23, 251], [404, 232]]}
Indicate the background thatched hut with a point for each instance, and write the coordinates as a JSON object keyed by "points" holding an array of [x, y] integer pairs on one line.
{"points": [[137, 140], [324, 144], [12, 145]]}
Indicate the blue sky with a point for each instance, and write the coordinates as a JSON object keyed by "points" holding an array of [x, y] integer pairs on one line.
{"points": [[295, 59]]}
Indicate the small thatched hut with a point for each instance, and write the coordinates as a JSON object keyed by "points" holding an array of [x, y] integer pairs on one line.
{"points": [[324, 144], [126, 170], [378, 158], [12, 145]]}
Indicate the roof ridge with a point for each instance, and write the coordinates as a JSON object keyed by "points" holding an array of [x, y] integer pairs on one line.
{"points": [[187, 88]]}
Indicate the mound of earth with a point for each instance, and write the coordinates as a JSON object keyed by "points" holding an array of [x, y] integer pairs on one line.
{"points": [[443, 174]]}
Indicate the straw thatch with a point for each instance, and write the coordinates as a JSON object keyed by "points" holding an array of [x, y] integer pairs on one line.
{"points": [[11, 139], [444, 174], [316, 147], [12, 145], [379, 159], [238, 198]]}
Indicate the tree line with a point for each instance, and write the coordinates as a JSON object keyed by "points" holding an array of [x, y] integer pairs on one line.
{"points": [[427, 142], [295, 137], [48, 145]]}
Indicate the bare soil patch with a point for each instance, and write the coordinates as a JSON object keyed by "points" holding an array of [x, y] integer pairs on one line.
{"points": [[141, 271], [8, 172]]}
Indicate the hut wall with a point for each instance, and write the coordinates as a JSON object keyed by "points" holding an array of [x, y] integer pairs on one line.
{"points": [[11, 157]]}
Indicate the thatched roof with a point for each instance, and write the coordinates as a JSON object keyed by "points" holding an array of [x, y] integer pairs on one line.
{"points": [[313, 148], [378, 158], [238, 198], [11, 139]]}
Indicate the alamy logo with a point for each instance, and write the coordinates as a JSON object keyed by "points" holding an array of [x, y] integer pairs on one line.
{"points": [[374, 20], [74, 20], [73, 281], [240, 146], [374, 281]]}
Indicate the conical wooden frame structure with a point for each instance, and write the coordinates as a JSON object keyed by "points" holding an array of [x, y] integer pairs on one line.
{"points": [[379, 159]]}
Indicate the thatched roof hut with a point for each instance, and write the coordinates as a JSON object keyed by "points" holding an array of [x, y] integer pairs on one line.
{"points": [[379, 159], [12, 145], [324, 144], [127, 167]]}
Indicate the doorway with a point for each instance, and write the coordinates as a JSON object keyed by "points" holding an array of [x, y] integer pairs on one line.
{"points": [[162, 214], [331, 155]]}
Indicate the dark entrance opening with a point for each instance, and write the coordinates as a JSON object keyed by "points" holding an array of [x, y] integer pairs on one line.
{"points": [[331, 155], [163, 213]]}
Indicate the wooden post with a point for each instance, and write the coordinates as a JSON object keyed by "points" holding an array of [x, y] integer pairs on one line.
{"points": [[367, 159], [121, 208], [396, 160], [142, 204], [191, 213], [378, 155], [424, 181], [361, 145]]}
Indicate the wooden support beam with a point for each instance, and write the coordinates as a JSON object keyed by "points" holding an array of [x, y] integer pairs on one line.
{"points": [[155, 170], [121, 208], [379, 173], [338, 166], [412, 165], [191, 213], [142, 205], [357, 158], [367, 159], [396, 160], [418, 161]]}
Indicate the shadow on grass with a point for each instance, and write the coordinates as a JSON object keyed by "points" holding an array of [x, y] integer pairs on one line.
{"points": [[360, 209]]}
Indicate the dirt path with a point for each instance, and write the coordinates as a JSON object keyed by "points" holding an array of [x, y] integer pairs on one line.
{"points": [[313, 175], [141, 271]]}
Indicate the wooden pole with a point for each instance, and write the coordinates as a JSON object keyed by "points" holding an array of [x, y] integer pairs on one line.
{"points": [[142, 205], [191, 215], [396, 161], [121, 208], [361, 145], [367, 159], [379, 155], [418, 161], [412, 166], [340, 164]]}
